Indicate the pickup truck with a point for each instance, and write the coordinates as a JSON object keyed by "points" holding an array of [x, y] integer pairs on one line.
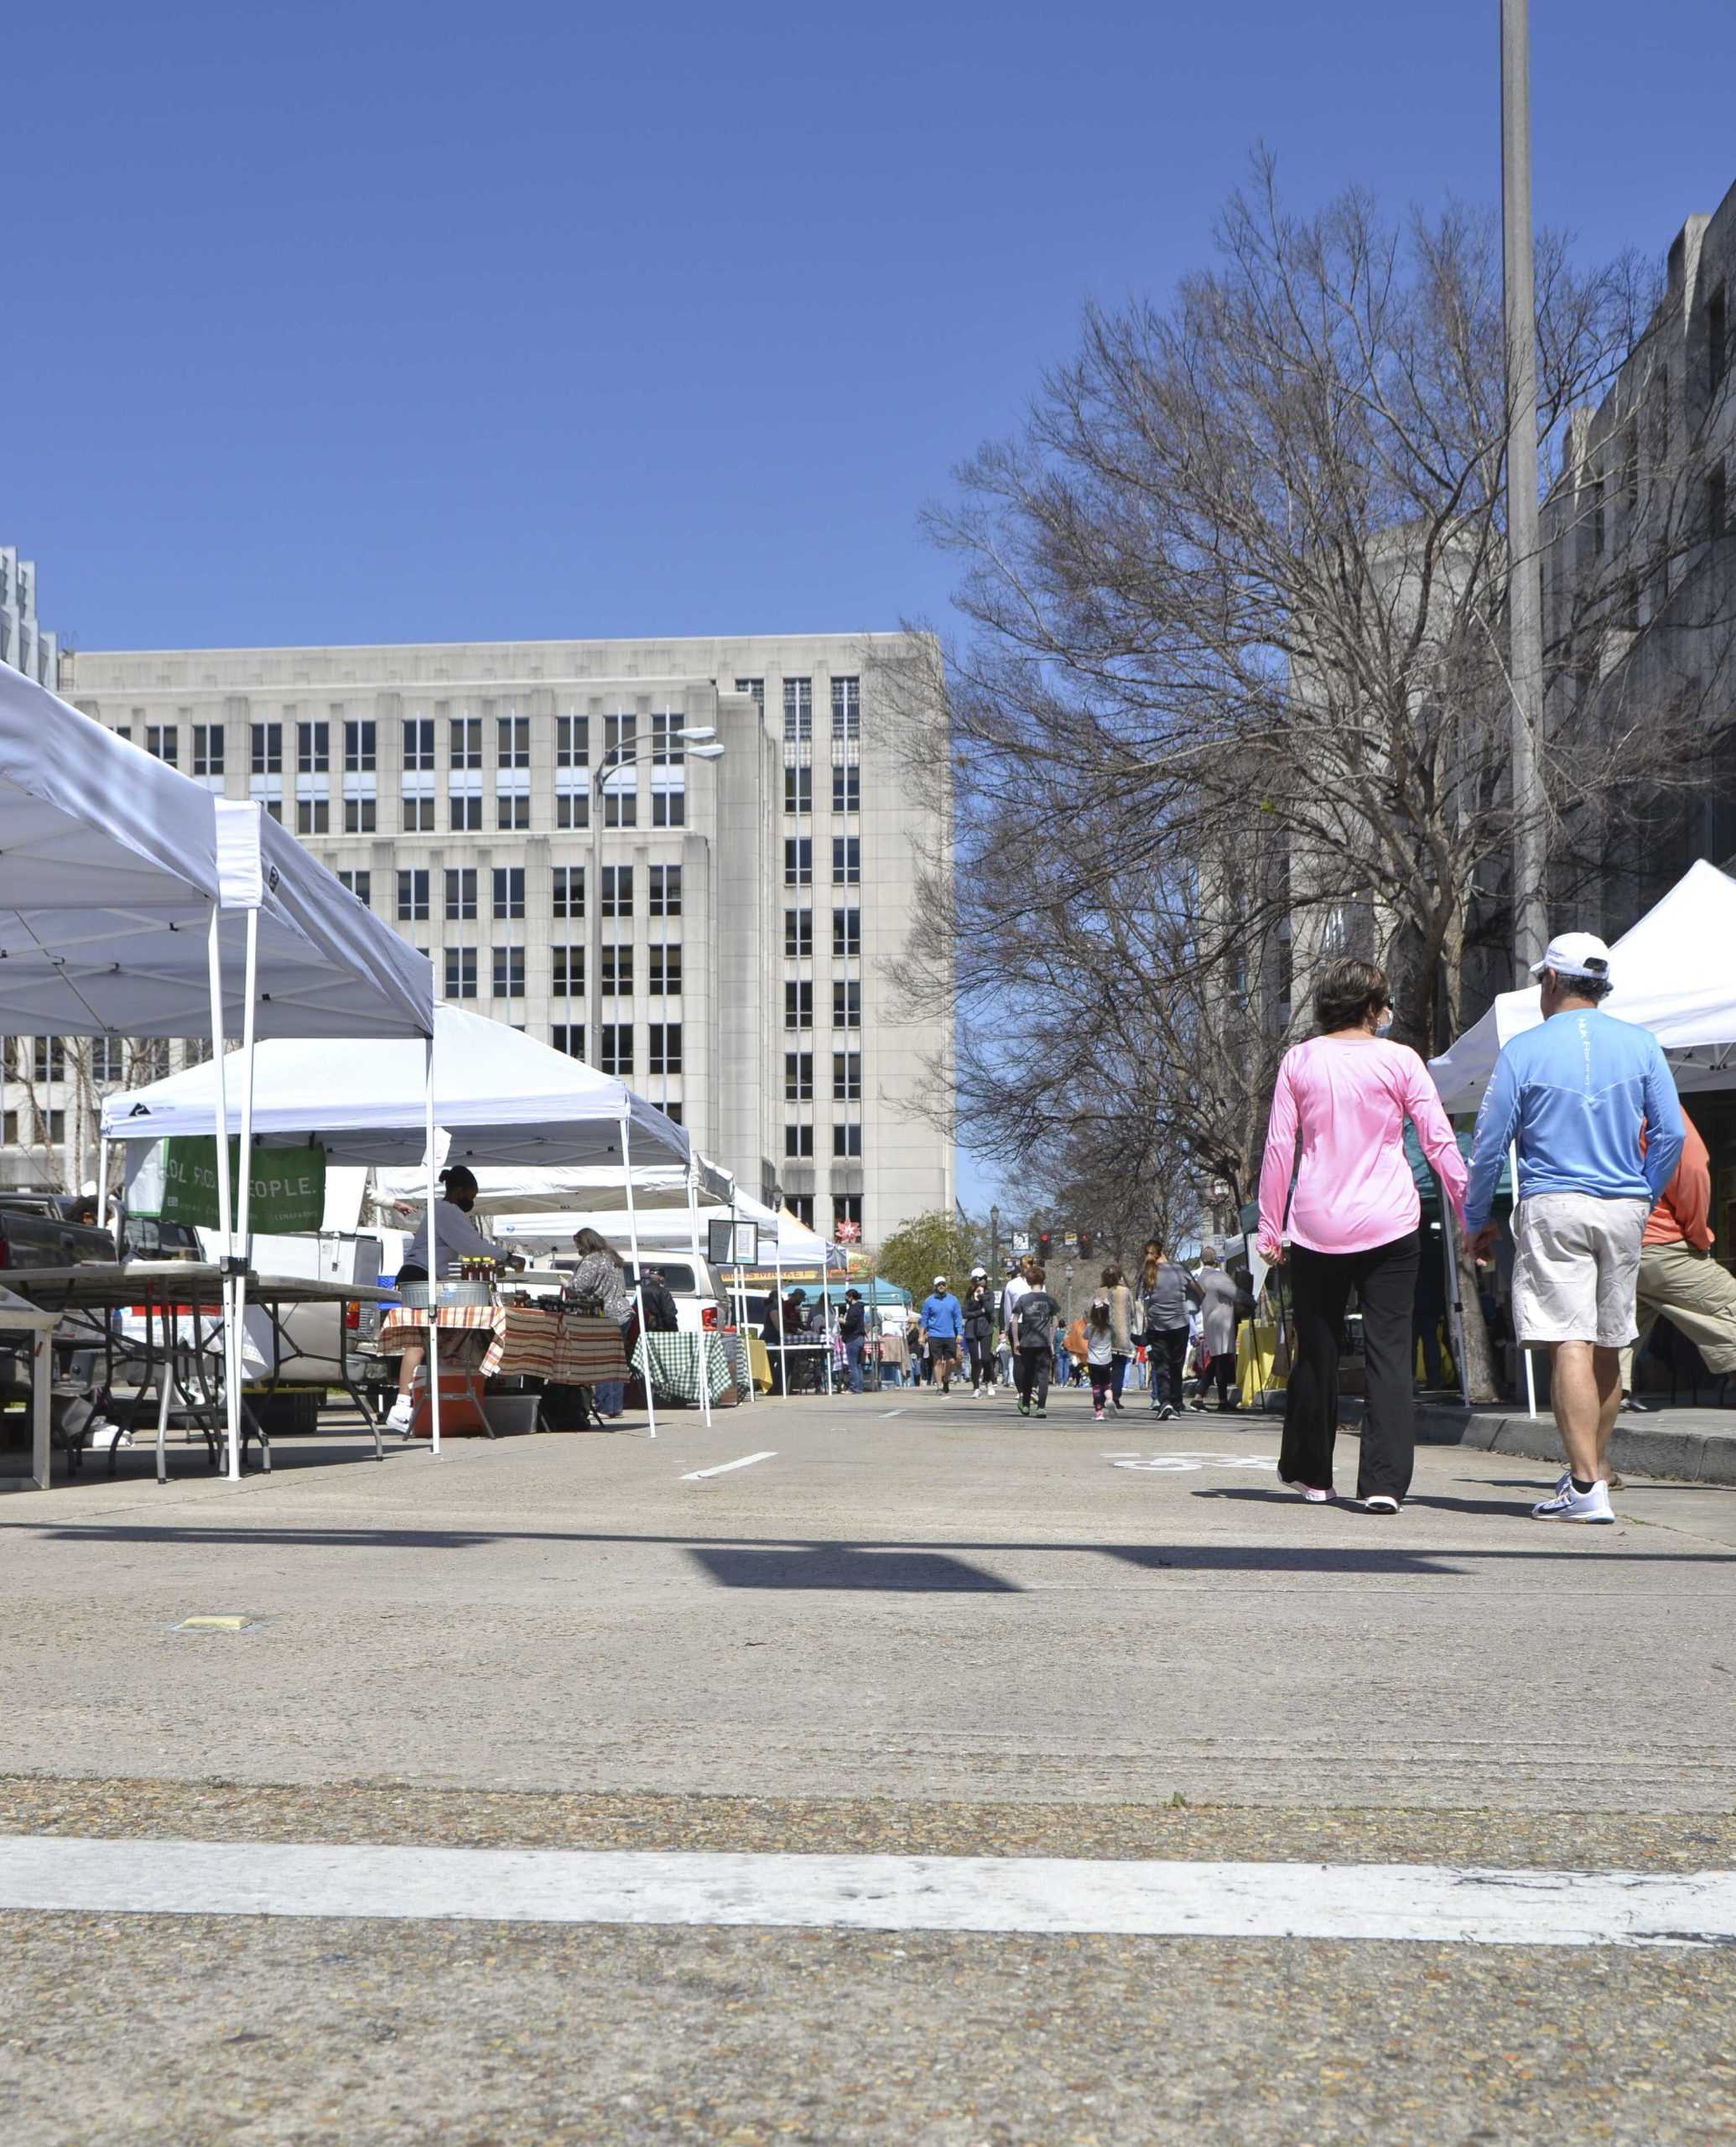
{"points": [[37, 1229]]}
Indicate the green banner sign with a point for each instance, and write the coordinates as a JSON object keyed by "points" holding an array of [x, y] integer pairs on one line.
{"points": [[287, 1192]]}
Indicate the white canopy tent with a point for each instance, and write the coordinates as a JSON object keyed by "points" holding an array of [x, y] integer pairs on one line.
{"points": [[501, 1098], [119, 898], [1674, 973], [529, 1192]]}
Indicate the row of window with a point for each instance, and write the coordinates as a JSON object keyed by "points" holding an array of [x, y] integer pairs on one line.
{"points": [[798, 933], [464, 743], [460, 884], [614, 1049], [846, 789], [798, 860], [846, 1140], [464, 812], [798, 705], [846, 1077], [847, 1208], [615, 975], [846, 1004]]}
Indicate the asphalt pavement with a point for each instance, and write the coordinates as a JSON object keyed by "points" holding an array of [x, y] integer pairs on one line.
{"points": [[911, 1627]]}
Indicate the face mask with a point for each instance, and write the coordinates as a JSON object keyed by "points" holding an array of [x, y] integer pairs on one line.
{"points": [[464, 1204]]}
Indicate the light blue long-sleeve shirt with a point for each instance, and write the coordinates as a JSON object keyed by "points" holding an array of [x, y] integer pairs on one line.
{"points": [[1578, 1092]]}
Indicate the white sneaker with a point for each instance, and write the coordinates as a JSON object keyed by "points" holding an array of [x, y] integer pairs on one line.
{"points": [[1569, 1504], [1311, 1492], [1381, 1502], [402, 1415]]}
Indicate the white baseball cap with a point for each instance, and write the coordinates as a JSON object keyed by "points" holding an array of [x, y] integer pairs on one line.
{"points": [[940, 1282], [979, 1273], [1575, 953]]}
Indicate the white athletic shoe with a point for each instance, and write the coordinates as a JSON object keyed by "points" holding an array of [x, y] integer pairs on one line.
{"points": [[1569, 1504], [402, 1415], [1382, 1502], [1311, 1492]]}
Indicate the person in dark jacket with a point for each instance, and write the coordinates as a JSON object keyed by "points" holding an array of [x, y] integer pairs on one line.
{"points": [[853, 1332], [979, 1332], [661, 1316]]}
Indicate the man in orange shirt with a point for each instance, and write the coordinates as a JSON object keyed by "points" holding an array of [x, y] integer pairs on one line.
{"points": [[1677, 1273]]}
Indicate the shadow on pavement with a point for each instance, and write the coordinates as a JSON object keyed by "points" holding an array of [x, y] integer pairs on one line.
{"points": [[847, 1566]]}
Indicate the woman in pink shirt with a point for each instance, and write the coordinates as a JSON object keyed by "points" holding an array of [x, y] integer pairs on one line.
{"points": [[1352, 1224]]}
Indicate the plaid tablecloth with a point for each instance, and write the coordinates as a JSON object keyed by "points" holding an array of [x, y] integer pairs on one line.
{"points": [[571, 1349], [672, 1362]]}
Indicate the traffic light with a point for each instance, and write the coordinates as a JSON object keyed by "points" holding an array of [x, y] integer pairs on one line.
{"points": [[1084, 1244], [1045, 1242]]}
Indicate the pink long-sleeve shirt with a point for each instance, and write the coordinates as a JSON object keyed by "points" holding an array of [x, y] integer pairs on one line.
{"points": [[1348, 1100]]}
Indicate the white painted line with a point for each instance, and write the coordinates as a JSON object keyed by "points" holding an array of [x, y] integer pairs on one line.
{"points": [[1430, 1902], [724, 1468], [893, 1412]]}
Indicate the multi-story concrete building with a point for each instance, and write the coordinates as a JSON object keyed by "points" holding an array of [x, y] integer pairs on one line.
{"points": [[554, 824], [24, 644]]}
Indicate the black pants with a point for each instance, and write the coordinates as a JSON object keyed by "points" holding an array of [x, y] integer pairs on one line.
{"points": [[1166, 1352], [1033, 1374], [1384, 1279], [982, 1359], [1221, 1369]]}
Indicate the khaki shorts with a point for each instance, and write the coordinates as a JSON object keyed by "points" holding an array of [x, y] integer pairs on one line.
{"points": [[1576, 1269]]}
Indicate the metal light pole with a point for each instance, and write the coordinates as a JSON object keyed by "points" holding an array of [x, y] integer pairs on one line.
{"points": [[1524, 577]]}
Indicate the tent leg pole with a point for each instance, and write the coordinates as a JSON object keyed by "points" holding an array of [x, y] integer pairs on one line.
{"points": [[626, 1171], [783, 1353], [432, 1359], [693, 1216], [226, 1234], [244, 1188]]}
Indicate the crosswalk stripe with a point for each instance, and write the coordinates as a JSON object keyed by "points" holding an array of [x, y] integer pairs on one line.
{"points": [[1436, 1902]]}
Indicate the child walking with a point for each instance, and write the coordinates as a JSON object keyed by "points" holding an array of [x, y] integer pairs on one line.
{"points": [[1100, 1353]]}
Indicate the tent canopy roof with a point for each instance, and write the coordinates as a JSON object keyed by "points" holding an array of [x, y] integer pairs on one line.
{"points": [[502, 1097], [535, 1194], [1673, 975], [110, 866]]}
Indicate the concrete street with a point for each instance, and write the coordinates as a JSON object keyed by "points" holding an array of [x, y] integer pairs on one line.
{"points": [[920, 1626]]}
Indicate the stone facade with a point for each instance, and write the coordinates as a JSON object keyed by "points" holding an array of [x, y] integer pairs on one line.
{"points": [[26, 645]]}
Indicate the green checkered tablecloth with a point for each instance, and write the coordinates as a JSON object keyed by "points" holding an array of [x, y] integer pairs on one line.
{"points": [[672, 1362]]}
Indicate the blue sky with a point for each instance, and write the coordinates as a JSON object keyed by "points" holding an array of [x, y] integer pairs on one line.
{"points": [[384, 321]]}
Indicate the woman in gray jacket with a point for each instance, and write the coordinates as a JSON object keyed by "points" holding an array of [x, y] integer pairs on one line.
{"points": [[1220, 1305]]}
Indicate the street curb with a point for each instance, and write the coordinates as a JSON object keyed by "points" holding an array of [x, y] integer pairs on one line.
{"points": [[1637, 1450]]}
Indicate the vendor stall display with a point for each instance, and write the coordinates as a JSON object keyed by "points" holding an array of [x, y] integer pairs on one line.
{"points": [[676, 1363]]}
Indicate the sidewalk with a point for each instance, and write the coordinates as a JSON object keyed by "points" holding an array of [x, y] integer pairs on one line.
{"points": [[1688, 1445]]}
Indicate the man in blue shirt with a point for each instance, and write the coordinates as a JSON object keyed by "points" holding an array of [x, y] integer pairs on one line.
{"points": [[1592, 1104], [942, 1318]]}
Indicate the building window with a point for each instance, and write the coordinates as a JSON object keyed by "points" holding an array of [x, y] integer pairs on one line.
{"points": [[663, 895], [51, 1125], [757, 687], [799, 1005], [509, 972], [617, 1047], [798, 709], [358, 746], [207, 749], [847, 1004], [1717, 509], [512, 809], [312, 748], [846, 861], [668, 808], [568, 979], [461, 894], [359, 816], [846, 708], [798, 790], [570, 1037], [163, 743], [108, 1057], [798, 861], [265, 742], [621, 805], [568, 890], [48, 1058], [621, 734], [360, 884], [617, 891], [572, 808], [419, 814], [662, 1043], [847, 1208], [798, 1077], [798, 1140], [801, 1206], [797, 934], [419, 743], [671, 1111], [572, 741], [846, 931], [847, 788], [846, 1077], [466, 741], [847, 1138], [512, 743], [461, 972], [313, 813], [616, 976], [466, 817], [413, 898], [1716, 343], [509, 890], [664, 980], [666, 746]]}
